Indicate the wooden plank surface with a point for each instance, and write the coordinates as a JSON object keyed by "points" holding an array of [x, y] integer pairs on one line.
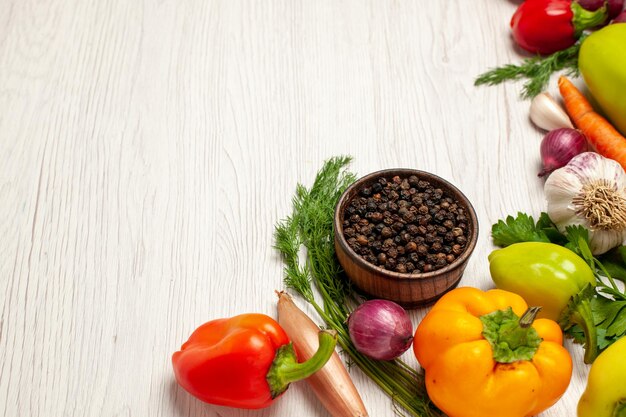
{"points": [[147, 148]]}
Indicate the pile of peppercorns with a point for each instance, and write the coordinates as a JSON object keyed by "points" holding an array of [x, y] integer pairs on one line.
{"points": [[406, 225]]}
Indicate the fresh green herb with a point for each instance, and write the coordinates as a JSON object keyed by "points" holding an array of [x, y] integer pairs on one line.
{"points": [[578, 241], [614, 262], [519, 229], [537, 70], [606, 302], [310, 229], [575, 324], [610, 318]]}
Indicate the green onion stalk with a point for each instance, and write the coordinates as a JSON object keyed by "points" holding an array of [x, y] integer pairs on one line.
{"points": [[310, 228]]}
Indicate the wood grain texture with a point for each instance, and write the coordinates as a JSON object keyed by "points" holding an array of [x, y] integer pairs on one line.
{"points": [[147, 148]]}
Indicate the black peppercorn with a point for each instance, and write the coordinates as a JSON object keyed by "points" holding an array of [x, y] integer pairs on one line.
{"points": [[376, 217], [390, 264], [382, 258], [406, 225], [397, 226], [386, 232]]}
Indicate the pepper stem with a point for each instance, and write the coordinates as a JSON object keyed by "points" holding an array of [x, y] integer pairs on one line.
{"points": [[285, 369], [587, 19], [528, 317], [620, 408], [511, 338]]}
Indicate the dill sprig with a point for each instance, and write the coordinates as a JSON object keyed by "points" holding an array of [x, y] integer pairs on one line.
{"points": [[309, 230], [536, 70]]}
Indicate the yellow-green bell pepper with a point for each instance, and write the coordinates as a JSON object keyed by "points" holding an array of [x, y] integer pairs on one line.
{"points": [[544, 274], [602, 63], [605, 395], [550, 276]]}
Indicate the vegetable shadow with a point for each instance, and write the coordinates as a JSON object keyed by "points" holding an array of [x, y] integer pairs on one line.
{"points": [[185, 405]]}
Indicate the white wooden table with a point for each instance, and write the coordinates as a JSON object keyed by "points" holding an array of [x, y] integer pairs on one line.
{"points": [[147, 148]]}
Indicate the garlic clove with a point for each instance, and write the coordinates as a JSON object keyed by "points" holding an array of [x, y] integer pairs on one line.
{"points": [[604, 240], [613, 170], [562, 184], [547, 114]]}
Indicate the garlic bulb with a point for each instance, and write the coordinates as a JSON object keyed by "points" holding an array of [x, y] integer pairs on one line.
{"points": [[547, 114], [590, 191]]}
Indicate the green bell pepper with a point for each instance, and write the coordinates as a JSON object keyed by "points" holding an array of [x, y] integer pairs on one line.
{"points": [[550, 276], [605, 395], [544, 274], [602, 63]]}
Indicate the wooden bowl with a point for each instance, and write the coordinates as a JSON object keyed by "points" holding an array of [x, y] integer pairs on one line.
{"points": [[407, 289]]}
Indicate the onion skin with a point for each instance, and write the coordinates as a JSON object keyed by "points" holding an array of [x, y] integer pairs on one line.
{"points": [[591, 4], [380, 329], [559, 146], [613, 7], [332, 384], [620, 18]]}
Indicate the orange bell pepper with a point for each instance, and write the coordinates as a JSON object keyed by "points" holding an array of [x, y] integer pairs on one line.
{"points": [[481, 359]]}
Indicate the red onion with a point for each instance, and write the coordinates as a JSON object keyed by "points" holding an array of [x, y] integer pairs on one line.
{"points": [[590, 5], [380, 329], [621, 18], [559, 146], [613, 7]]}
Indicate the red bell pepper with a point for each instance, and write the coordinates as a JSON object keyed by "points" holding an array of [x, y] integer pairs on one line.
{"points": [[547, 26], [245, 361]]}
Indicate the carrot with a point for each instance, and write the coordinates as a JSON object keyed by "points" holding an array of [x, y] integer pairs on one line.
{"points": [[602, 136]]}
